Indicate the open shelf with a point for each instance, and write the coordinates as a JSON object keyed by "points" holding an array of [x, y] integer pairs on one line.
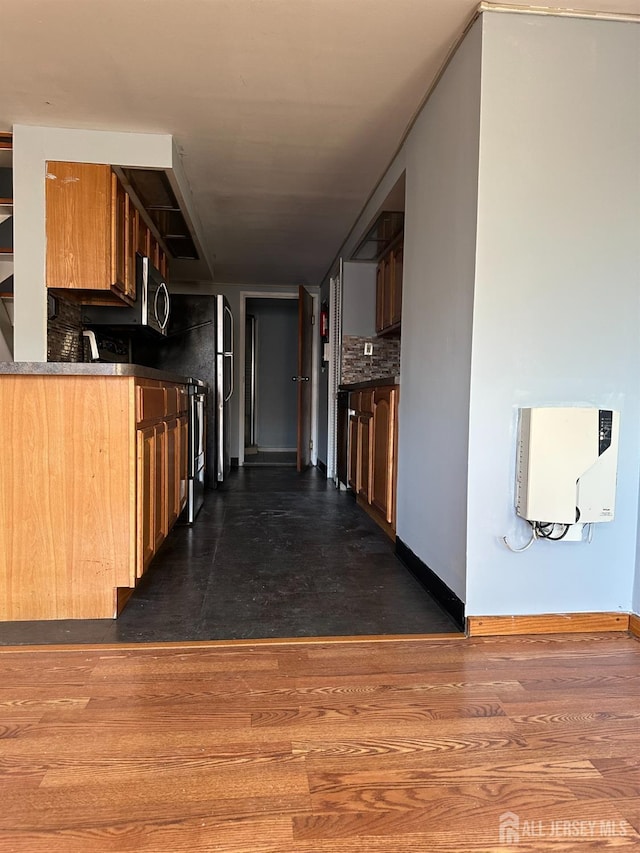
{"points": [[6, 149]]}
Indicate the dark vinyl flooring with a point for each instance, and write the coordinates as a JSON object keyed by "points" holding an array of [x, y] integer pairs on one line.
{"points": [[271, 457], [272, 554]]}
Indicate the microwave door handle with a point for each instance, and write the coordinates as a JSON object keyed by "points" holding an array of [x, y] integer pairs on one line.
{"points": [[229, 354], [162, 323]]}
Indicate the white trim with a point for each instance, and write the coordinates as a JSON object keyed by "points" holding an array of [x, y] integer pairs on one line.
{"points": [[335, 362], [315, 373], [262, 449], [560, 12]]}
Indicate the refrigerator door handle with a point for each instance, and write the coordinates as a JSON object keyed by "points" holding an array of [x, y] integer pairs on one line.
{"points": [[229, 354]]}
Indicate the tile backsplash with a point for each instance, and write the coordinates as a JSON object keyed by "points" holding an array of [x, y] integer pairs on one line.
{"points": [[64, 332], [358, 367]]}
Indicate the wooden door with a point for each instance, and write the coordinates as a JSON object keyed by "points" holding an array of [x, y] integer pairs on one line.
{"points": [[144, 237], [161, 520], [172, 472], [146, 484], [396, 284], [386, 290], [305, 344], [78, 226], [119, 206], [183, 464], [379, 296], [383, 445], [131, 244], [353, 452], [365, 424]]}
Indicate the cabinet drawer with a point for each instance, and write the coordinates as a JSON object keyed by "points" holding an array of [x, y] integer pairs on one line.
{"points": [[150, 403]]}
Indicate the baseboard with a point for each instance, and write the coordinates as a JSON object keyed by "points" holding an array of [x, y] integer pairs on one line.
{"points": [[547, 623], [634, 624], [435, 586], [263, 449], [322, 467]]}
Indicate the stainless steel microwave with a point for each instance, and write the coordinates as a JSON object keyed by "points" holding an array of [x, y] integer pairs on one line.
{"points": [[150, 310]]}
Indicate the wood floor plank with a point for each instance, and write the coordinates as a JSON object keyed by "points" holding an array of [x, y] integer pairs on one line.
{"points": [[462, 811], [322, 748]]}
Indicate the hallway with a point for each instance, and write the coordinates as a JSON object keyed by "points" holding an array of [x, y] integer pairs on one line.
{"points": [[272, 554]]}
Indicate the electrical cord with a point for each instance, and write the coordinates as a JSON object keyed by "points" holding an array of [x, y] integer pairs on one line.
{"points": [[545, 533], [534, 536], [545, 530]]}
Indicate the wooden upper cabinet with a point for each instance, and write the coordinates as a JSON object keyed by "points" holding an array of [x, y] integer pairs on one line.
{"points": [[131, 246], [144, 237], [389, 289], [91, 228], [397, 255]]}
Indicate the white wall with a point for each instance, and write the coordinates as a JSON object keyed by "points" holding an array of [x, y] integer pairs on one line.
{"points": [[557, 293], [440, 156], [439, 258], [32, 147]]}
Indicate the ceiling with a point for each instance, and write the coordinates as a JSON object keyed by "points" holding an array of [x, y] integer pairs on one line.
{"points": [[286, 112]]}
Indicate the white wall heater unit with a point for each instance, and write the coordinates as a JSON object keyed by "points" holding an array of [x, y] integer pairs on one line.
{"points": [[567, 465]]}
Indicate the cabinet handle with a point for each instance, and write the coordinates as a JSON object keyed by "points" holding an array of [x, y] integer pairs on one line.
{"points": [[299, 378]]}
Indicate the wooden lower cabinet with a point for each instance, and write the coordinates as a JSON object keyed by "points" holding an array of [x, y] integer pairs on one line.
{"points": [[84, 492], [383, 452], [373, 451], [176, 468], [146, 515]]}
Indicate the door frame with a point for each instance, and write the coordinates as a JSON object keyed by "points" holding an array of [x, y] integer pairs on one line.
{"points": [[282, 293]]}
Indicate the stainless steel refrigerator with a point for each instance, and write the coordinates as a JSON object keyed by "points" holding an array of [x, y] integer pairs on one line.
{"points": [[199, 344]]}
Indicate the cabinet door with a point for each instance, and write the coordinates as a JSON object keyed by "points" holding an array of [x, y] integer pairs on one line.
{"points": [[130, 250], [386, 290], [172, 472], [163, 266], [119, 209], [382, 453], [379, 297], [161, 519], [396, 284], [365, 423], [78, 226], [353, 452], [144, 237], [154, 251], [183, 464], [146, 498]]}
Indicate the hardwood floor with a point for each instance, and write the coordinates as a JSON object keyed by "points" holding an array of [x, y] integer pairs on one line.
{"points": [[341, 747]]}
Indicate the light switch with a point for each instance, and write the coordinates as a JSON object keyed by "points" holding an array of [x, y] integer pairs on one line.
{"points": [[368, 348]]}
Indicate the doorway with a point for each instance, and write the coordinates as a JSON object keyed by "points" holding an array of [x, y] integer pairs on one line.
{"points": [[270, 395], [268, 352]]}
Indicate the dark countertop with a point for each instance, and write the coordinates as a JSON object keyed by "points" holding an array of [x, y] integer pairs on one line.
{"points": [[70, 368], [370, 383]]}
